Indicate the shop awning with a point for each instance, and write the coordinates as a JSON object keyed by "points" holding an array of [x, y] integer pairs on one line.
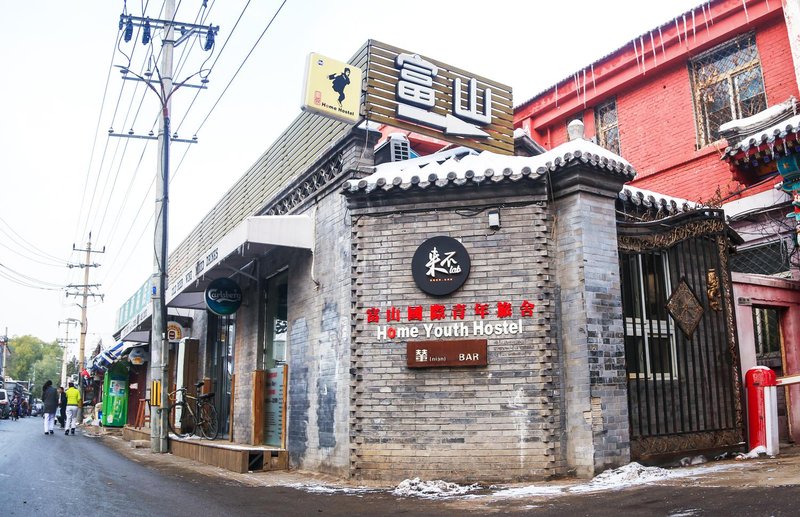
{"points": [[252, 238], [110, 355]]}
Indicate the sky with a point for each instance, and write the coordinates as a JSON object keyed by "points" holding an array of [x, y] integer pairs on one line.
{"points": [[62, 177]]}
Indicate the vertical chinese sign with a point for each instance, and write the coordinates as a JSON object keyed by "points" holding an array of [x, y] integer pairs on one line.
{"points": [[419, 94]]}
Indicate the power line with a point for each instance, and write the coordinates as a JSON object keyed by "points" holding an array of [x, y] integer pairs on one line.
{"points": [[241, 66], [30, 248], [28, 281]]}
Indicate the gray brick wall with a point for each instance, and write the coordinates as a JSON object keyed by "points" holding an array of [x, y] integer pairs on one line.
{"points": [[245, 359], [319, 343], [499, 422], [595, 391]]}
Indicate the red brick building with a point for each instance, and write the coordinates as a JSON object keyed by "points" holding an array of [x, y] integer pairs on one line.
{"points": [[659, 102]]}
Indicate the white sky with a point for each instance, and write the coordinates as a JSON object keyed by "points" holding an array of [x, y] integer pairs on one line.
{"points": [[55, 58]]}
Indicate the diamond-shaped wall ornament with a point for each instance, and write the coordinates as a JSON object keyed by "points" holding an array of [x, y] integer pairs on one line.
{"points": [[685, 308]]}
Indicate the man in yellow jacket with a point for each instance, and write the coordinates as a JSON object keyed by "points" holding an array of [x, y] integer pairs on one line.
{"points": [[73, 403]]}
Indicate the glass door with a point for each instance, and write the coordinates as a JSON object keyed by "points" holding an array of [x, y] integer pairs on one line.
{"points": [[274, 356], [224, 333]]}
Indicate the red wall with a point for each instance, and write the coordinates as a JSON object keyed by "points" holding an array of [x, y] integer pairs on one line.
{"points": [[656, 111], [659, 137]]}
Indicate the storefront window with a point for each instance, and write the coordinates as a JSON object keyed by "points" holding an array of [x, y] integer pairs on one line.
{"points": [[274, 351]]}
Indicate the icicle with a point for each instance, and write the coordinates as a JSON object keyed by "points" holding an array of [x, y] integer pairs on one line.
{"points": [[644, 54], [694, 31], [678, 31], [661, 39], [584, 87], [635, 53], [594, 83], [705, 18], [653, 47], [710, 14], [767, 5], [556, 95], [577, 86], [746, 15], [685, 30]]}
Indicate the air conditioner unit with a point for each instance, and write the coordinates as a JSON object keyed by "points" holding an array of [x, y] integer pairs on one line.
{"points": [[396, 148]]}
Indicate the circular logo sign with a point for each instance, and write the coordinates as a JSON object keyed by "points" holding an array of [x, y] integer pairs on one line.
{"points": [[174, 331], [223, 296], [440, 265]]}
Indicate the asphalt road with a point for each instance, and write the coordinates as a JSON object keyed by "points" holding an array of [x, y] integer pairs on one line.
{"points": [[82, 475]]}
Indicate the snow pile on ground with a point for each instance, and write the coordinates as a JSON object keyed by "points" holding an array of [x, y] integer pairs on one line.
{"points": [[628, 475], [752, 454], [431, 489], [328, 489]]}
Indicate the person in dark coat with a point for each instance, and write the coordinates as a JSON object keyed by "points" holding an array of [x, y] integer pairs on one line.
{"points": [[61, 414], [50, 401]]}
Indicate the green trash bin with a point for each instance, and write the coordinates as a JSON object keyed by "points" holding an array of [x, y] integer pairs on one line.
{"points": [[115, 396]]}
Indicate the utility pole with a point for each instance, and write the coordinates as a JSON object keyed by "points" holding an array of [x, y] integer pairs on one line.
{"points": [[3, 357], [159, 364], [85, 295], [159, 353], [65, 344]]}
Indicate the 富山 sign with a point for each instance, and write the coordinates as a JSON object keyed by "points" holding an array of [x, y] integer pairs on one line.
{"points": [[417, 93]]}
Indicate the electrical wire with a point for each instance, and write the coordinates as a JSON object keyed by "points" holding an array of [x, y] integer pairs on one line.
{"points": [[27, 246], [29, 279], [244, 61]]}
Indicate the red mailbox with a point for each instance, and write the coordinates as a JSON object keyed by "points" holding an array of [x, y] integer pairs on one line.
{"points": [[762, 414]]}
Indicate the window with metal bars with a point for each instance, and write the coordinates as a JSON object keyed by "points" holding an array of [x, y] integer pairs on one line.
{"points": [[766, 321], [727, 85], [768, 259], [607, 128]]}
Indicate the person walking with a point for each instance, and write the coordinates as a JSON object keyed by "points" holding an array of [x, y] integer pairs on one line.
{"points": [[73, 403], [61, 414], [50, 403]]}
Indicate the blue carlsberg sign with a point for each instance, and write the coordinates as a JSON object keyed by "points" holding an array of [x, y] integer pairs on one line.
{"points": [[223, 296]]}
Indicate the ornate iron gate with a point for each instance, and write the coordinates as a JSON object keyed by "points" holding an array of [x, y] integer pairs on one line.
{"points": [[684, 390]]}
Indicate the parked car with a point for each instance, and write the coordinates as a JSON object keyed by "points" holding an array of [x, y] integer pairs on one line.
{"points": [[5, 405], [37, 408]]}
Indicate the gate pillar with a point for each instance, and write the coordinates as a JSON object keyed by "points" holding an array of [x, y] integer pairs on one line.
{"points": [[591, 321]]}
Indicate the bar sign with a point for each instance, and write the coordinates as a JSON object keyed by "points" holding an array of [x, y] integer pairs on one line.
{"points": [[433, 354]]}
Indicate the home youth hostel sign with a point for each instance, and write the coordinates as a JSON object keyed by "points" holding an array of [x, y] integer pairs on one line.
{"points": [[420, 94]]}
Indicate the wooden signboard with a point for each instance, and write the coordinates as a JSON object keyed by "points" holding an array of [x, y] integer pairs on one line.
{"points": [[433, 354], [420, 94]]}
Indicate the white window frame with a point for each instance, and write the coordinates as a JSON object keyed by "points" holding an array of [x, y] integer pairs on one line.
{"points": [[652, 328]]}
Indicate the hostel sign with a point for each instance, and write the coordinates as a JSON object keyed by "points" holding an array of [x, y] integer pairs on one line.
{"points": [[413, 92], [461, 320], [332, 89]]}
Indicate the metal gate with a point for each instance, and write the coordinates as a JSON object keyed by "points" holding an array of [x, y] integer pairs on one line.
{"points": [[684, 390]]}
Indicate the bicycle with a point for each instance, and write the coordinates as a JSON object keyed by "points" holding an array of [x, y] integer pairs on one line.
{"points": [[185, 420]]}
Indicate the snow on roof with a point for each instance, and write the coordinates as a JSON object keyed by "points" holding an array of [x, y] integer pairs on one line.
{"points": [[767, 117], [767, 136], [463, 166], [651, 199]]}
